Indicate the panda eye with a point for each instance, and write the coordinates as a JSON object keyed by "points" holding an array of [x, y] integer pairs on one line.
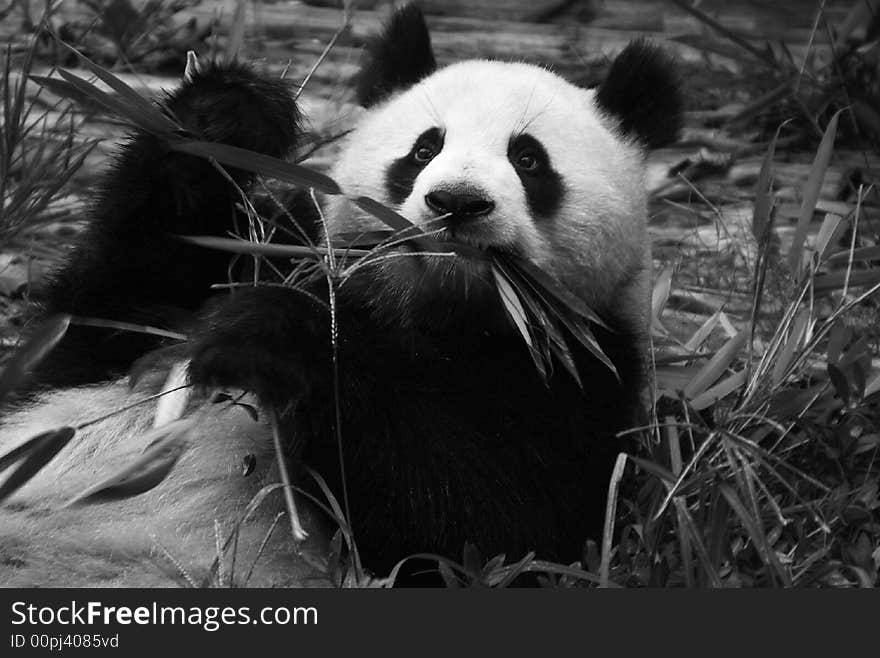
{"points": [[426, 147], [528, 156], [423, 154], [528, 161]]}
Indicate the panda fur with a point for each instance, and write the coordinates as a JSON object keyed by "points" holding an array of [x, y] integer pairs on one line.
{"points": [[449, 435]]}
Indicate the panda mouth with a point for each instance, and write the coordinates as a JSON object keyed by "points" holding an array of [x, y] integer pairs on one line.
{"points": [[476, 239], [467, 239]]}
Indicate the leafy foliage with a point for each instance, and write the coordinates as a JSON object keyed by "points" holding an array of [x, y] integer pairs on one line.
{"points": [[39, 151]]}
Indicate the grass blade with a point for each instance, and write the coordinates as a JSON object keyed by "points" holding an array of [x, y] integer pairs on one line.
{"points": [[252, 507], [610, 516]]}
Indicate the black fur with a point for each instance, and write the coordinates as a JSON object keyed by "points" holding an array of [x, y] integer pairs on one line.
{"points": [[544, 187], [449, 435], [402, 173], [396, 59], [643, 92], [127, 266]]}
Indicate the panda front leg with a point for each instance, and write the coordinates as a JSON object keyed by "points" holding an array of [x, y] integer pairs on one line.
{"points": [[127, 265], [270, 341]]}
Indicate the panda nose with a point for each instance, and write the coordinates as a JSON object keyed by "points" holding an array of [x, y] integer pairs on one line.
{"points": [[460, 205]]}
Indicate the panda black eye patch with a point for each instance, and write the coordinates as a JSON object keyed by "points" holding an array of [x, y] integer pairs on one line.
{"points": [[401, 175], [543, 185]]}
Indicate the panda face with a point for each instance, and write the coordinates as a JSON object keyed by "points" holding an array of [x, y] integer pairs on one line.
{"points": [[508, 156]]}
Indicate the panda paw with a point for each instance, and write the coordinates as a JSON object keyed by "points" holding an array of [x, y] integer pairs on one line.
{"points": [[232, 104], [263, 340]]}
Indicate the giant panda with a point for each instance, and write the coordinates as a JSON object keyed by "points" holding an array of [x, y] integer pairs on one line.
{"points": [[448, 434]]}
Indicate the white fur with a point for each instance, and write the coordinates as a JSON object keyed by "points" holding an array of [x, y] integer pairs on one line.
{"points": [[43, 542], [596, 244]]}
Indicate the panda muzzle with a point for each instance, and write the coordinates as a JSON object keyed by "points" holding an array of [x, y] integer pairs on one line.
{"points": [[460, 206]]}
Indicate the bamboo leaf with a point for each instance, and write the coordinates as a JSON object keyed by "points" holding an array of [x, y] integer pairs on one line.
{"points": [[561, 306], [840, 382], [700, 335], [238, 246], [610, 516], [563, 355], [175, 396], [660, 294], [367, 239], [716, 366], [660, 472], [34, 454], [764, 56], [754, 531], [837, 280], [398, 222], [235, 38], [548, 340], [764, 193], [517, 314], [860, 254], [722, 389], [70, 92], [40, 343], [687, 524], [393, 219], [265, 165], [513, 306], [547, 284], [827, 232], [586, 338], [165, 446], [788, 350], [872, 386], [135, 102], [840, 335], [146, 120], [811, 191], [258, 163]]}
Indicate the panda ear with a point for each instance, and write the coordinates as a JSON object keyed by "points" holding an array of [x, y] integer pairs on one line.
{"points": [[643, 92], [397, 58]]}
